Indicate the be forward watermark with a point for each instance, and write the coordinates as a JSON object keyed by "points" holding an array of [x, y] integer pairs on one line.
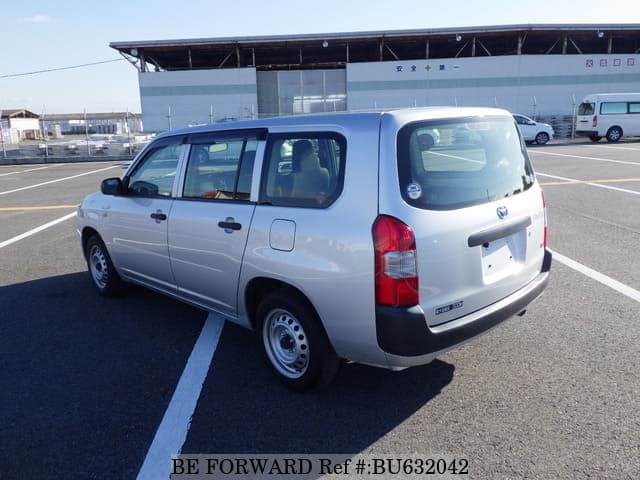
{"points": [[271, 467]]}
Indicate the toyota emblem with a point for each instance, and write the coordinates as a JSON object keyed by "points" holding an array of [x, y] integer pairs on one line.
{"points": [[502, 212]]}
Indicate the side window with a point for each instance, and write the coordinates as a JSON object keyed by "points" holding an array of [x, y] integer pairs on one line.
{"points": [[634, 107], [612, 108], [303, 169], [155, 174], [220, 169]]}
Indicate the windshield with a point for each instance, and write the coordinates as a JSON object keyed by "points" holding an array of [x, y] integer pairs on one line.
{"points": [[471, 161], [586, 108]]}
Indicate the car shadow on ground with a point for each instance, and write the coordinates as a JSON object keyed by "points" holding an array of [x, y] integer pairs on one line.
{"points": [[244, 409], [85, 380], [91, 377]]}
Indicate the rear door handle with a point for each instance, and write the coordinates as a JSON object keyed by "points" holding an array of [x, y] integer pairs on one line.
{"points": [[159, 216], [502, 231], [230, 225]]}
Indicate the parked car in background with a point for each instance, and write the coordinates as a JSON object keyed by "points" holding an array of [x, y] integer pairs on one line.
{"points": [[533, 131], [610, 115], [384, 238]]}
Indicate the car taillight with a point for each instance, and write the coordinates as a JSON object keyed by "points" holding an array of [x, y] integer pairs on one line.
{"points": [[544, 236], [396, 268], [595, 121]]}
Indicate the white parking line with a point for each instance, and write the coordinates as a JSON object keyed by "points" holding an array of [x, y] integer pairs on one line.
{"points": [[36, 230], [614, 148], [431, 152], [22, 171], [586, 158], [175, 424], [632, 293], [58, 180], [599, 185]]}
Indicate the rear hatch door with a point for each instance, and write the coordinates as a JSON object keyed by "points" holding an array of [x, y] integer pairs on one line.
{"points": [[475, 209]]}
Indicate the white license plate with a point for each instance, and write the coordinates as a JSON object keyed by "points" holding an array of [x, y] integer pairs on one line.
{"points": [[503, 257]]}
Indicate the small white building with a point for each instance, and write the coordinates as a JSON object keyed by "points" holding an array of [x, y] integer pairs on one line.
{"points": [[19, 125]]}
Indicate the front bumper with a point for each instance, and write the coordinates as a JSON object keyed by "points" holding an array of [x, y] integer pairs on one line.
{"points": [[403, 332]]}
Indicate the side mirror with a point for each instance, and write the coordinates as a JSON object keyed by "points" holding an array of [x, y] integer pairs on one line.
{"points": [[112, 186]]}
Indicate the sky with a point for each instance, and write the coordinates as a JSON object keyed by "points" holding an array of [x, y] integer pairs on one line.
{"points": [[39, 35]]}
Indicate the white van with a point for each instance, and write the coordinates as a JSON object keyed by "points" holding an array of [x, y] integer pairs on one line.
{"points": [[609, 115]]}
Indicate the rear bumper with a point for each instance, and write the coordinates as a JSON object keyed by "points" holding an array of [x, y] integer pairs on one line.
{"points": [[586, 133], [405, 336]]}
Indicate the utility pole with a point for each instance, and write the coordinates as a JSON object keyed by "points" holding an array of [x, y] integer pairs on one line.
{"points": [[86, 131], [44, 134], [4, 151], [126, 125]]}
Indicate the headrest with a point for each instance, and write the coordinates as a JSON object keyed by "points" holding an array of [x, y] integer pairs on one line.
{"points": [[301, 147], [425, 141]]}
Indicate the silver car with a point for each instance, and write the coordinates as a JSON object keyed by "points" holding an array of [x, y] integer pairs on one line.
{"points": [[332, 236]]}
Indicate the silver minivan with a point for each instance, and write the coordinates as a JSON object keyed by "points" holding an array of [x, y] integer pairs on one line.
{"points": [[347, 235]]}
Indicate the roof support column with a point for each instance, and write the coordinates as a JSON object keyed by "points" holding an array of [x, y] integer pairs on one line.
{"points": [[426, 51], [610, 45], [190, 61], [473, 47], [519, 44], [564, 45]]}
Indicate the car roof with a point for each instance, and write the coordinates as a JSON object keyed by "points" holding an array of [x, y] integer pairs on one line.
{"points": [[344, 118]]}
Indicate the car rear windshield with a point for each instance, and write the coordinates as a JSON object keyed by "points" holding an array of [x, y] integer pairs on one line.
{"points": [[586, 108], [450, 164]]}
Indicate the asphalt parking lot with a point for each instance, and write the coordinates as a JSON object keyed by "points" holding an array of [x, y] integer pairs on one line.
{"points": [[87, 381]]}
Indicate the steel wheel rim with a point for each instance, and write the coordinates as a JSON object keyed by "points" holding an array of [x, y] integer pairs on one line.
{"points": [[286, 343], [98, 266], [615, 134]]}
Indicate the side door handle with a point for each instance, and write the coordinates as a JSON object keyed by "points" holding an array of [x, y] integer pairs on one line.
{"points": [[230, 225], [159, 216]]}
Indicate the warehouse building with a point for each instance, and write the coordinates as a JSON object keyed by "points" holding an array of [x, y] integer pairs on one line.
{"points": [[117, 123], [539, 70]]}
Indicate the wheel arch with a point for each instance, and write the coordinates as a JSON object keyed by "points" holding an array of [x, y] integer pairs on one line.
{"points": [[257, 288], [87, 233]]}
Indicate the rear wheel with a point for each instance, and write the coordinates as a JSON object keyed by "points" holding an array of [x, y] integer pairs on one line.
{"points": [[103, 273], [614, 134], [595, 138], [295, 343], [542, 138]]}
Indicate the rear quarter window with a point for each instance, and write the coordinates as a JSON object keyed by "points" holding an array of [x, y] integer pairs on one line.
{"points": [[450, 164]]}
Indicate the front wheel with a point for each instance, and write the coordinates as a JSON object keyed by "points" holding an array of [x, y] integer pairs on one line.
{"points": [[614, 134], [295, 343], [103, 273], [542, 138]]}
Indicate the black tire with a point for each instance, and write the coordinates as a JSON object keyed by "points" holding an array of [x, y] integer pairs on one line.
{"points": [[542, 138], [294, 342], [103, 274], [614, 134], [595, 138]]}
